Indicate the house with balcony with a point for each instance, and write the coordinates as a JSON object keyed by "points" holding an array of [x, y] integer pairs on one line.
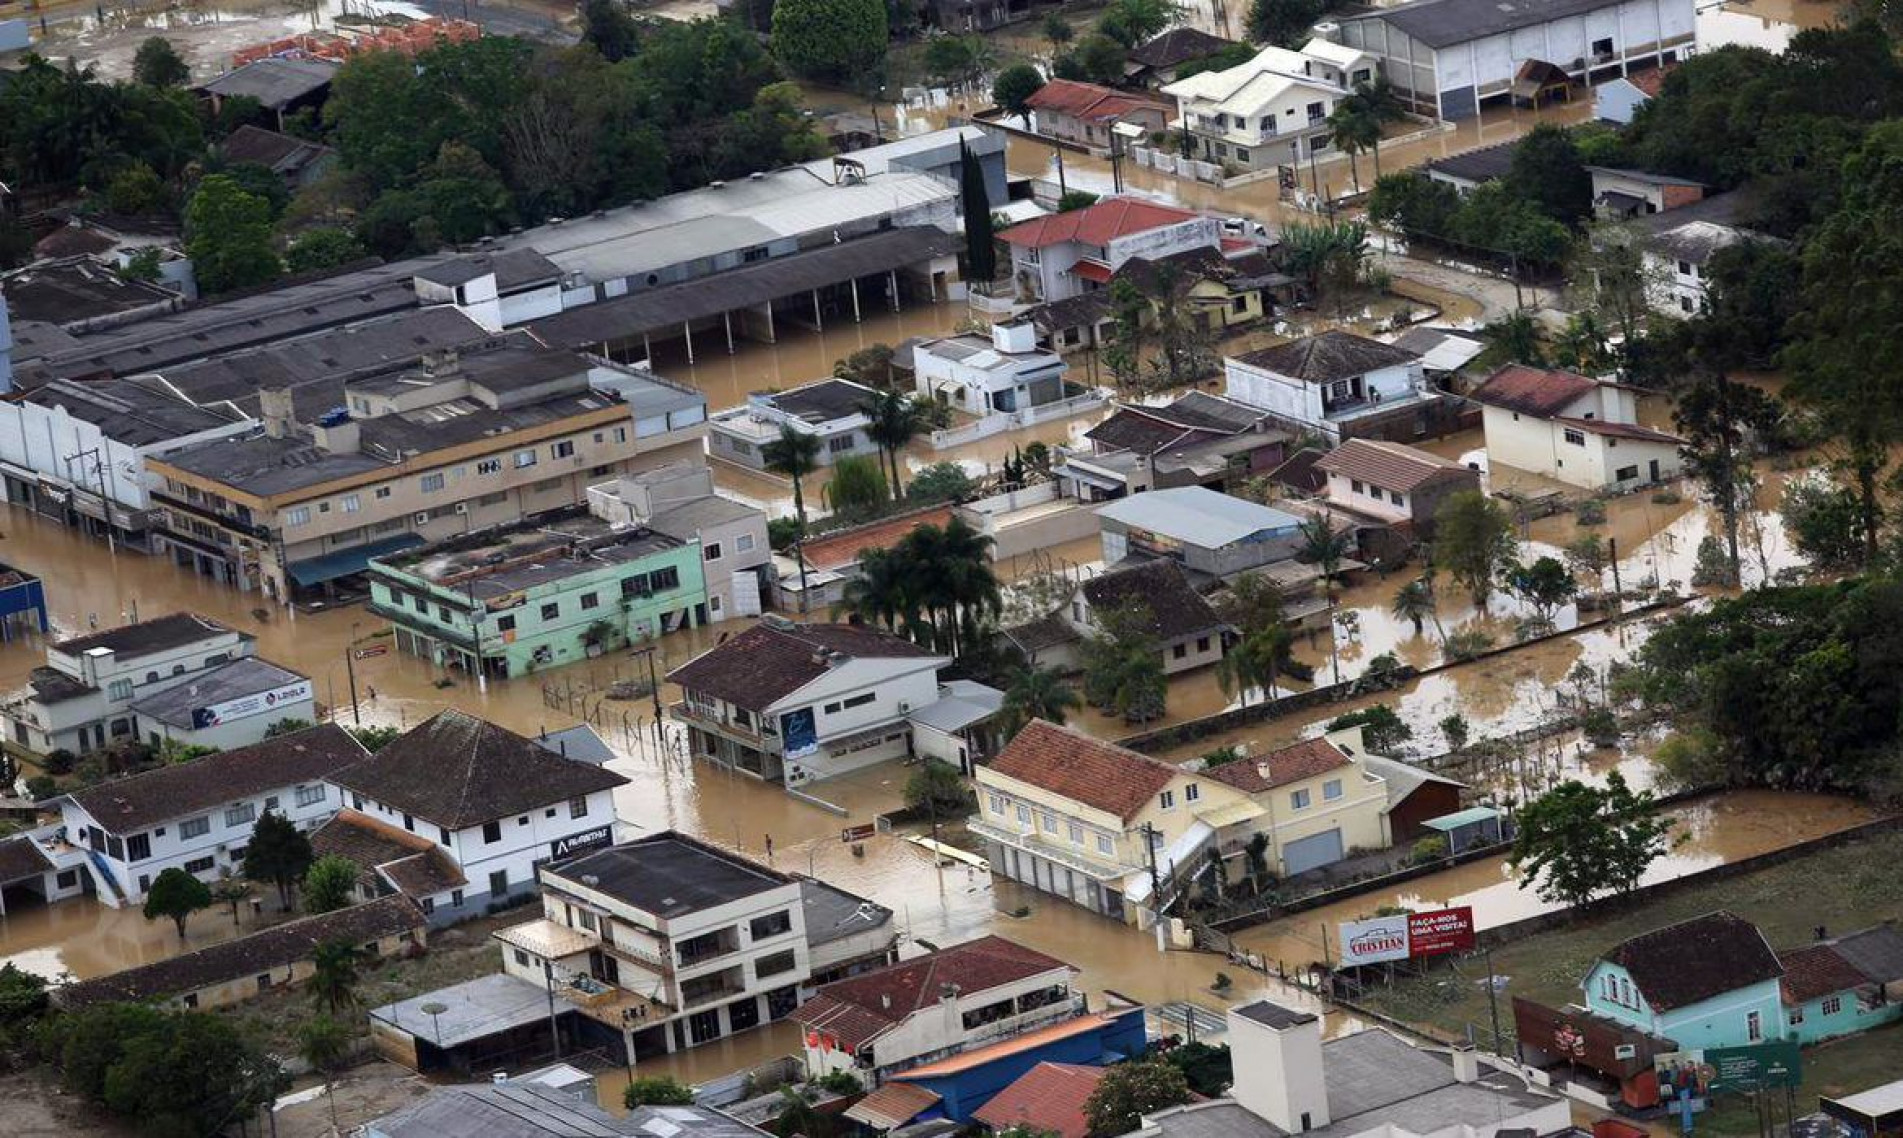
{"points": [[1573, 429], [832, 410], [551, 590], [489, 806], [1271, 111], [669, 942], [1001, 374], [947, 1002], [1340, 385], [679, 501], [198, 815], [353, 466], [1068, 254], [800, 702], [1198, 439], [82, 697]]}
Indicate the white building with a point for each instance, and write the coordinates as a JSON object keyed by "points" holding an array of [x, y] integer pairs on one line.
{"points": [[1366, 1083], [801, 702], [679, 500], [832, 410], [1448, 58], [496, 290], [1078, 251], [945, 1002], [1584, 432], [1273, 110], [198, 816], [1337, 384], [6, 349], [669, 941], [229, 706], [495, 804], [1002, 374], [83, 696]]}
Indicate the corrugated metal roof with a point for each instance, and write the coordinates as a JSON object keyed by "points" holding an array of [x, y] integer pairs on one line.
{"points": [[1197, 515]]}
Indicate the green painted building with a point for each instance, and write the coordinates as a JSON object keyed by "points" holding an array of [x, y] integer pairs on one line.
{"points": [[538, 594]]}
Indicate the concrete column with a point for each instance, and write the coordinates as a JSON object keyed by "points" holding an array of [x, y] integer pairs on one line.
{"points": [[854, 282], [727, 319], [892, 282], [647, 351], [688, 328], [818, 324]]}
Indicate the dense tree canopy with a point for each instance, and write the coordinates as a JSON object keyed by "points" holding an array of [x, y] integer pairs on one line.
{"points": [[837, 41]]}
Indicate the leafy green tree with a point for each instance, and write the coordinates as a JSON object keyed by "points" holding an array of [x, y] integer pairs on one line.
{"points": [[1284, 23], [981, 250], [137, 189], [1036, 693], [940, 482], [228, 235], [1548, 172], [1130, 1090], [286, 727], [858, 485], [176, 894], [1513, 338], [1473, 542], [1722, 422], [657, 1090], [1234, 55], [1751, 295], [374, 739], [958, 61], [316, 250], [1256, 661], [260, 181], [1546, 584], [1123, 664], [324, 1043], [22, 996], [1057, 29], [954, 591], [1130, 22], [936, 787], [1821, 517], [1577, 841], [1421, 208], [1096, 58], [892, 421], [881, 592], [158, 64], [1014, 86], [832, 40], [329, 884], [279, 853], [1382, 731], [1207, 1069], [177, 1074], [1414, 603], [607, 27], [335, 972], [1455, 730]]}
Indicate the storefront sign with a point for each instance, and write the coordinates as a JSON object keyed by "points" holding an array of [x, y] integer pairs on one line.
{"points": [[1407, 935], [581, 843], [1440, 931], [1374, 942], [247, 706], [1697, 1075]]}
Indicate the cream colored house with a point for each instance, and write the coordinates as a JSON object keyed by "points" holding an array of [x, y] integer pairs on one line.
{"points": [[1320, 802], [1580, 431]]}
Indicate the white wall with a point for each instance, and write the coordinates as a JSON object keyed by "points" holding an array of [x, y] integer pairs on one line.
{"points": [[232, 733], [42, 438], [1342, 492], [1291, 399], [939, 1026]]}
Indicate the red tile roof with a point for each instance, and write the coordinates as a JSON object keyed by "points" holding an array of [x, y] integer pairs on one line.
{"points": [[838, 550], [1089, 101], [1097, 224], [1391, 466], [852, 1013], [1650, 81], [763, 664], [1532, 390], [1279, 768], [1093, 271], [1083, 769], [1049, 1098], [1816, 971]]}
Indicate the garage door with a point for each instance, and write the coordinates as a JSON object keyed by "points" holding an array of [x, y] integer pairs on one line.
{"points": [[1310, 852]]}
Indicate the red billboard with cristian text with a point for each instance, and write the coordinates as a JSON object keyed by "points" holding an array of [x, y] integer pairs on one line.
{"points": [[1440, 931]]}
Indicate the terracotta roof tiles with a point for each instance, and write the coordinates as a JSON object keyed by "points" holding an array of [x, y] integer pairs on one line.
{"points": [[1816, 971], [853, 1012], [1694, 960], [1083, 769], [1536, 391], [1089, 101], [1279, 768], [1096, 225], [1391, 466], [1047, 1099]]}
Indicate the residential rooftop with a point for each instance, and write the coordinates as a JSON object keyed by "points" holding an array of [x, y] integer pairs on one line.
{"points": [[160, 634], [248, 676], [472, 1010], [78, 289], [522, 1108], [1162, 590], [1328, 356], [507, 559], [275, 82], [669, 875], [857, 1010], [834, 914], [1482, 164], [1098, 224], [766, 663], [1696, 959], [1391, 466], [1199, 516], [1294, 763], [1177, 46], [826, 401], [412, 864], [1079, 767], [129, 805]]}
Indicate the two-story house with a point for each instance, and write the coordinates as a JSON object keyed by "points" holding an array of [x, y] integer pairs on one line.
{"points": [[832, 410], [1003, 373], [198, 816], [1338, 384], [1188, 631], [1711, 981], [1272, 110], [83, 695], [1078, 251], [1621, 194], [1392, 484], [1320, 799], [1085, 113], [1580, 431], [805, 701], [946, 1002], [495, 804], [668, 940], [558, 588], [679, 500]]}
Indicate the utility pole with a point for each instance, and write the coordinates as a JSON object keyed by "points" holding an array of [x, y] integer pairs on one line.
{"points": [[105, 503], [1493, 1003], [554, 1026], [1612, 555], [1156, 884], [1063, 191], [350, 670]]}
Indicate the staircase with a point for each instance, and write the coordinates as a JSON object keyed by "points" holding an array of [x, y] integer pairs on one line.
{"points": [[108, 886]]}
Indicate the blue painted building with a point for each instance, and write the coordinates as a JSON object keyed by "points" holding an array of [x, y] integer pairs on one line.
{"points": [[964, 1083], [1844, 985], [1711, 981], [22, 602]]}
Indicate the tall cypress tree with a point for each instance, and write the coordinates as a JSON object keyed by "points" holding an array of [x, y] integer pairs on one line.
{"points": [[981, 252]]}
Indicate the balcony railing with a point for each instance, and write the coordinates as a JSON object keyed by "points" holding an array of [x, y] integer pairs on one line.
{"points": [[173, 501], [688, 713], [701, 996]]}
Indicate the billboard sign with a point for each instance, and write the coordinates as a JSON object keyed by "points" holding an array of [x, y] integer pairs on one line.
{"points": [[1697, 1075], [244, 707], [1406, 935], [593, 838], [1374, 942]]}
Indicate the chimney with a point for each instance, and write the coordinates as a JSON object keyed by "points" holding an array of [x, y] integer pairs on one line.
{"points": [[274, 407], [444, 361], [1282, 1050], [1012, 338], [1466, 1064], [885, 1001]]}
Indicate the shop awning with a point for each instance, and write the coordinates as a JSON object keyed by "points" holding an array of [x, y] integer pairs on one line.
{"points": [[1093, 271], [344, 562]]}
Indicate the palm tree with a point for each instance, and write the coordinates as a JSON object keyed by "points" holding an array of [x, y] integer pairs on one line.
{"points": [[1352, 130], [333, 983], [1380, 106], [1325, 547], [951, 583], [1256, 662], [1036, 693], [1414, 602], [881, 592], [893, 421], [794, 454]]}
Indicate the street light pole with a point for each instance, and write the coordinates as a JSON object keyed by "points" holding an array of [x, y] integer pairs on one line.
{"points": [[350, 670]]}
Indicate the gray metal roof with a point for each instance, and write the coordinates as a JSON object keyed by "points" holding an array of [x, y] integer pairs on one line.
{"points": [[1444, 23], [960, 704], [275, 82], [1196, 515], [696, 515], [579, 743], [834, 914], [522, 1108], [129, 413], [75, 289], [240, 678], [474, 1009]]}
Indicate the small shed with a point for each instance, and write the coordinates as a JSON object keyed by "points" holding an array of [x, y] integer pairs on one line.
{"points": [[1472, 828], [1538, 81], [1874, 1113]]}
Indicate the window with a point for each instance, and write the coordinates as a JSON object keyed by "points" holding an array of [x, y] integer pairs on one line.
{"points": [[1180, 651], [1076, 834], [1050, 823], [524, 458], [743, 543], [499, 883], [381, 493], [138, 847], [489, 466], [578, 806], [661, 580], [1754, 1027], [297, 516], [351, 503], [1298, 800], [1625, 993], [774, 963], [240, 815], [996, 802], [421, 602], [551, 610], [1104, 844], [521, 958], [1602, 47], [1024, 815], [712, 551], [200, 865], [442, 832], [264, 981], [1331, 790], [590, 600], [442, 614], [455, 898], [1684, 268], [1192, 792], [491, 832], [1829, 1007], [194, 828], [119, 689], [310, 795], [1625, 474], [431, 483], [1797, 1016], [562, 449], [840, 444], [1202, 644], [1167, 800], [1684, 304], [771, 925], [1576, 438], [1241, 154]]}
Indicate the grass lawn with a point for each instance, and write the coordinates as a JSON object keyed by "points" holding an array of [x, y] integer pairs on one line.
{"points": [[1843, 889]]}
